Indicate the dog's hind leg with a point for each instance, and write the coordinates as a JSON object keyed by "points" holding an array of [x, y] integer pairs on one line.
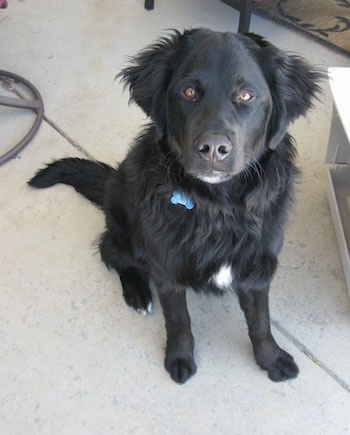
{"points": [[269, 356], [134, 281], [136, 291]]}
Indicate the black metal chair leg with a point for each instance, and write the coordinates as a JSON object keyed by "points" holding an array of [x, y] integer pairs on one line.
{"points": [[246, 7], [149, 4]]}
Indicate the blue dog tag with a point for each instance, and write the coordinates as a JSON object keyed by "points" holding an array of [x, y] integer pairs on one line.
{"points": [[179, 198]]}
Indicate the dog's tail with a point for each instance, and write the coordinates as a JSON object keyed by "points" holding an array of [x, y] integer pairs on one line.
{"points": [[86, 176]]}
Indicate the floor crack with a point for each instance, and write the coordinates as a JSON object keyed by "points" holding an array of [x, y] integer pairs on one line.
{"points": [[68, 138], [311, 355]]}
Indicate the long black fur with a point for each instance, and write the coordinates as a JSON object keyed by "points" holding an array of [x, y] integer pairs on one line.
{"points": [[228, 151]]}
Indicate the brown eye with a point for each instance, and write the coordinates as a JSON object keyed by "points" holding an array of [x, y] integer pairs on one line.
{"points": [[190, 93], [246, 96]]}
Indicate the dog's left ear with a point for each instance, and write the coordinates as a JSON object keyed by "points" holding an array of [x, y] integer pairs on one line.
{"points": [[148, 76], [293, 85]]}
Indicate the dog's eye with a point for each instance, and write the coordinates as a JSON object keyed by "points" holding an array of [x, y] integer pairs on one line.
{"points": [[190, 93], [246, 96]]}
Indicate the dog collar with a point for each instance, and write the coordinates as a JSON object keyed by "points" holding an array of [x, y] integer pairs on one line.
{"points": [[180, 198]]}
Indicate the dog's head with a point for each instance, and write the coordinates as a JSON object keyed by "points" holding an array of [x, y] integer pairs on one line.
{"points": [[220, 99]]}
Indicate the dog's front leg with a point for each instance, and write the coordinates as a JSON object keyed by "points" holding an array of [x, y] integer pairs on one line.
{"points": [[279, 364], [179, 360]]}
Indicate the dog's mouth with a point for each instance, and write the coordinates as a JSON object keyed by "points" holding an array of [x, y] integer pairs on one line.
{"points": [[213, 177], [210, 173]]}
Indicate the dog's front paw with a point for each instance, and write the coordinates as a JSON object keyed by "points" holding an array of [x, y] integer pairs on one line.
{"points": [[181, 369], [279, 365], [283, 367]]}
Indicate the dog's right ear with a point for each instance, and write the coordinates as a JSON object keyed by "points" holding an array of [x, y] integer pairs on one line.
{"points": [[148, 76]]}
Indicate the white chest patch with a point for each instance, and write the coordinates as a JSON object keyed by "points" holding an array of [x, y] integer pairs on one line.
{"points": [[223, 278]]}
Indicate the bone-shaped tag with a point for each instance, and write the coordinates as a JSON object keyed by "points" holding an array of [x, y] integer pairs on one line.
{"points": [[179, 198]]}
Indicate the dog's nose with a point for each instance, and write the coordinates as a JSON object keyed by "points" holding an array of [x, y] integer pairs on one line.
{"points": [[214, 147]]}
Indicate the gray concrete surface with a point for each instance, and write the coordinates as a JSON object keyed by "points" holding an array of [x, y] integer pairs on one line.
{"points": [[74, 358]]}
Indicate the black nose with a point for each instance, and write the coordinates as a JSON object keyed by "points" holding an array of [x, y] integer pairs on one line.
{"points": [[214, 147]]}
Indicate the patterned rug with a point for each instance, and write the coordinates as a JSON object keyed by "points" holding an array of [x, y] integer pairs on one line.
{"points": [[326, 20]]}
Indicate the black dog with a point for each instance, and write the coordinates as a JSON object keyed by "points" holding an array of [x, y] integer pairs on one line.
{"points": [[202, 197]]}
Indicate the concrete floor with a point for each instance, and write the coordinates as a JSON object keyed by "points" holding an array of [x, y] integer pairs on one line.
{"points": [[74, 358]]}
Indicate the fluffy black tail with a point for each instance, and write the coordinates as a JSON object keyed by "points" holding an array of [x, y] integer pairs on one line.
{"points": [[86, 176]]}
